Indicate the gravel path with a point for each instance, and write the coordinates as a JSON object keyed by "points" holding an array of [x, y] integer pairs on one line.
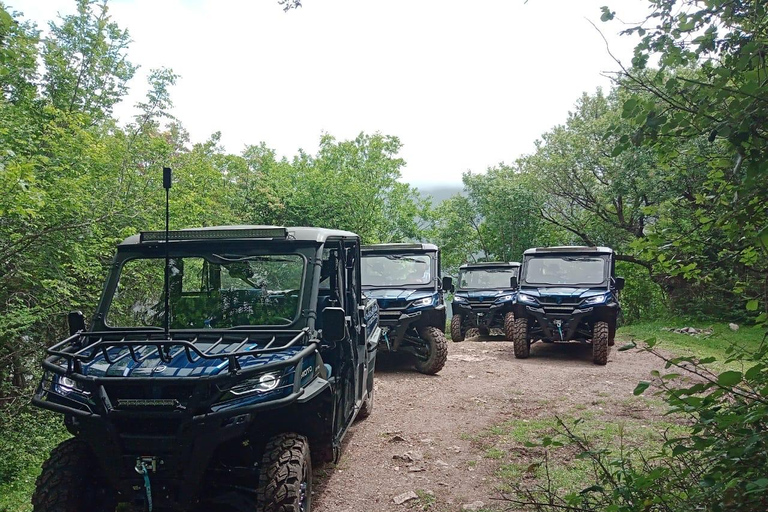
{"points": [[418, 437]]}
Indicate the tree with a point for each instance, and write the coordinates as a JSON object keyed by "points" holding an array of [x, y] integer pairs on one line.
{"points": [[85, 62]]}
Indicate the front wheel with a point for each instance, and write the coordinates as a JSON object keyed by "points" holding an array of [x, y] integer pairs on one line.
{"points": [[509, 326], [600, 341], [520, 338], [285, 476], [438, 351], [70, 482], [457, 330]]}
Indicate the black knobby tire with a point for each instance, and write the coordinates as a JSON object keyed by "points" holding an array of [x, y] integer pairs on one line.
{"points": [[69, 482], [438, 351], [509, 326], [600, 335], [520, 338], [611, 334], [285, 475], [457, 328], [367, 408]]}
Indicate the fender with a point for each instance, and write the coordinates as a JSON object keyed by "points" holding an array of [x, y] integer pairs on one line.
{"points": [[314, 389]]}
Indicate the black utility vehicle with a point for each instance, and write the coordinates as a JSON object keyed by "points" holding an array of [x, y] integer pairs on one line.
{"points": [[484, 298], [404, 278], [567, 294], [214, 394]]}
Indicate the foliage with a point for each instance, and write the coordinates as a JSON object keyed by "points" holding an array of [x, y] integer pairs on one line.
{"points": [[75, 182], [720, 464], [711, 68]]}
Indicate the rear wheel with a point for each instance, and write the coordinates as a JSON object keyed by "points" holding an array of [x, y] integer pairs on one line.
{"points": [[484, 331], [600, 334], [285, 476], [457, 328], [367, 408], [438, 350], [520, 338], [611, 334], [509, 326], [70, 482]]}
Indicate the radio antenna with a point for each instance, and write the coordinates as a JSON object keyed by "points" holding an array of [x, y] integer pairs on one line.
{"points": [[167, 187]]}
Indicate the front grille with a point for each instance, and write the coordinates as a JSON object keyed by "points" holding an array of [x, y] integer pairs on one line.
{"points": [[135, 427], [480, 305], [559, 301]]}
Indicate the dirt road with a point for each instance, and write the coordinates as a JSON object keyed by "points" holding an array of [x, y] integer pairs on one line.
{"points": [[419, 437]]}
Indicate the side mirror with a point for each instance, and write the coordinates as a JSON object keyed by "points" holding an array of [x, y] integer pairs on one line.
{"points": [[619, 282], [513, 282], [334, 324], [447, 283], [76, 322]]}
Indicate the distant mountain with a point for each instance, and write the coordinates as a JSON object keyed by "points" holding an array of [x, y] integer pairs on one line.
{"points": [[439, 193]]}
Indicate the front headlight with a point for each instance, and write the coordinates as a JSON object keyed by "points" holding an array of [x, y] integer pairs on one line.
{"points": [[504, 298], [527, 299], [64, 386], [591, 301], [260, 384], [460, 299], [426, 301]]}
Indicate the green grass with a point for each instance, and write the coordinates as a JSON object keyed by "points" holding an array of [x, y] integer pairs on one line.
{"points": [[713, 345], [566, 471], [636, 436]]}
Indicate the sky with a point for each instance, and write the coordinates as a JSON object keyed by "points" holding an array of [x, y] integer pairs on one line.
{"points": [[464, 84]]}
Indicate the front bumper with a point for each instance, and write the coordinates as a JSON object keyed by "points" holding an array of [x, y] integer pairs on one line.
{"points": [[491, 316], [560, 327], [178, 440]]}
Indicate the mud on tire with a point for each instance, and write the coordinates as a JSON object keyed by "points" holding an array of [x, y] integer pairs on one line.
{"points": [[438, 351], [70, 483], [600, 341], [457, 328], [520, 338], [509, 326], [285, 475]]}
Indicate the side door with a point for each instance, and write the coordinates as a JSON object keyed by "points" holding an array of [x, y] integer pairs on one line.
{"points": [[355, 312]]}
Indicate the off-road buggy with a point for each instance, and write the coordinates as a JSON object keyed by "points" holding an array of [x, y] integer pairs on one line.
{"points": [[217, 394], [484, 298], [404, 279], [567, 294]]}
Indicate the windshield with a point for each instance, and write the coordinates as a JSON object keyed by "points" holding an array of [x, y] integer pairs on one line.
{"points": [[397, 270], [216, 291], [581, 270], [487, 278]]}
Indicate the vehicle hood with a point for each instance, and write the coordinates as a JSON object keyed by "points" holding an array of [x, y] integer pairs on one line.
{"points": [[562, 291], [397, 297], [483, 295], [149, 364]]}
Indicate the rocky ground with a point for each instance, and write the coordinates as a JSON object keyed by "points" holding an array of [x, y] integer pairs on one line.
{"points": [[419, 450]]}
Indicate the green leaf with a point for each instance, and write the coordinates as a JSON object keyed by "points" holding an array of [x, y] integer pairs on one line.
{"points": [[729, 378], [752, 305], [641, 387], [628, 346]]}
